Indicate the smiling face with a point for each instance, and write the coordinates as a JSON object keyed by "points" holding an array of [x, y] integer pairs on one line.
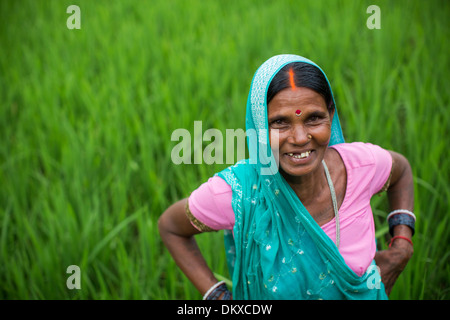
{"points": [[300, 141]]}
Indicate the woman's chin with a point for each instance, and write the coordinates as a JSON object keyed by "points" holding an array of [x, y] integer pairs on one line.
{"points": [[296, 166]]}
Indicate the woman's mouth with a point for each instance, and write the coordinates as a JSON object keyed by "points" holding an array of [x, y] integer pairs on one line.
{"points": [[303, 155]]}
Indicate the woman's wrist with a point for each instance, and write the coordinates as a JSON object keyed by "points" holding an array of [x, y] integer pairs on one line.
{"points": [[401, 240], [402, 230], [218, 291]]}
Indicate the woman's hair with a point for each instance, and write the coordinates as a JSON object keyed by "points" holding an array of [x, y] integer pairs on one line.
{"points": [[301, 74]]}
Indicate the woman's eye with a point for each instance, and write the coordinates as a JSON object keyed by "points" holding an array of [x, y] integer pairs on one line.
{"points": [[278, 122], [315, 118]]}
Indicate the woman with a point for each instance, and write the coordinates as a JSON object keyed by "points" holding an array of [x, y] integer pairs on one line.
{"points": [[302, 229]]}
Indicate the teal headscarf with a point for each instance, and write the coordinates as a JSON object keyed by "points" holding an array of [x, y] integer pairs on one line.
{"points": [[278, 251]]}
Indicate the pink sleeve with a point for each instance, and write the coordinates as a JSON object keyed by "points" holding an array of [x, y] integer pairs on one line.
{"points": [[368, 167], [211, 204], [383, 165]]}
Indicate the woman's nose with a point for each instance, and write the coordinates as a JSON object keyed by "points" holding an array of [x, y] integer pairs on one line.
{"points": [[299, 135]]}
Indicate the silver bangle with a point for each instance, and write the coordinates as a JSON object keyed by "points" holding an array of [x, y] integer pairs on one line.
{"points": [[212, 289], [409, 213]]}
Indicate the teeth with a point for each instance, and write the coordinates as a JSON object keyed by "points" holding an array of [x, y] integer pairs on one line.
{"points": [[301, 155]]}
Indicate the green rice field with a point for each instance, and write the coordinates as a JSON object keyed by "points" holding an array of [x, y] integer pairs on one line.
{"points": [[86, 118]]}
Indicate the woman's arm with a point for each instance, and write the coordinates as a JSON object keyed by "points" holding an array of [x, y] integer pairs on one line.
{"points": [[177, 233], [400, 196]]}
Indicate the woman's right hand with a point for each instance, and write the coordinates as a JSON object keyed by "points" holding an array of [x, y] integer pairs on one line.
{"points": [[177, 233]]}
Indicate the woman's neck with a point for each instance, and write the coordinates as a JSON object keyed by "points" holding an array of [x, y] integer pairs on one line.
{"points": [[308, 187]]}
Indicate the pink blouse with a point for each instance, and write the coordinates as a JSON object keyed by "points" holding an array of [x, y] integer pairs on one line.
{"points": [[368, 167]]}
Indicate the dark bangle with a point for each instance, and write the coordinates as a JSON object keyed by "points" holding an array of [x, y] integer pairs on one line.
{"points": [[215, 291], [401, 218]]}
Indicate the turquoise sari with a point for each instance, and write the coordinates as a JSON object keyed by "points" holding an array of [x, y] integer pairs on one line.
{"points": [[278, 251]]}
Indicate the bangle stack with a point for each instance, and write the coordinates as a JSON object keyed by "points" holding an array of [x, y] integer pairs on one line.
{"points": [[216, 290], [401, 216]]}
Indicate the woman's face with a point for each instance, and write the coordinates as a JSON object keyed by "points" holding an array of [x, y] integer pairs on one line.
{"points": [[300, 142]]}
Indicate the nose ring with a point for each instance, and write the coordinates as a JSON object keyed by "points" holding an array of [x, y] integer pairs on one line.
{"points": [[309, 137]]}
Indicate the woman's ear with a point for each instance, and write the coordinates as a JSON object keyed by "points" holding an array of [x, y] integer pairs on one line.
{"points": [[331, 112]]}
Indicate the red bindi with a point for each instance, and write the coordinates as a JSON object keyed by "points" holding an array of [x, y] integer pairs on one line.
{"points": [[298, 112]]}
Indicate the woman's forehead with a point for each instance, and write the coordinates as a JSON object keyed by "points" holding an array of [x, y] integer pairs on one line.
{"points": [[300, 96]]}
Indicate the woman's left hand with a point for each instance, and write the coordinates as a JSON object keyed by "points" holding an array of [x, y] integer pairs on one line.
{"points": [[401, 196], [392, 262]]}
